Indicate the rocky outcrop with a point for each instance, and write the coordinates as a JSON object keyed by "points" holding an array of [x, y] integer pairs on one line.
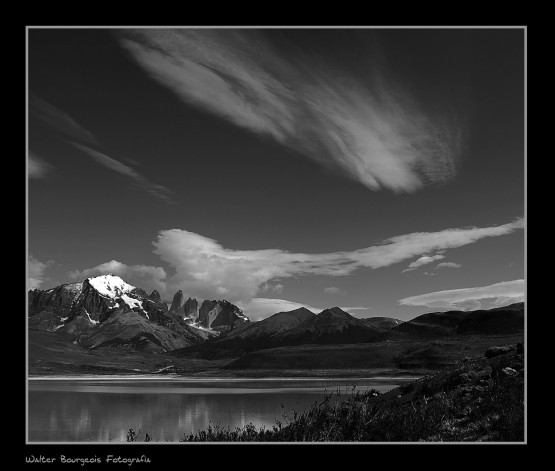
{"points": [[220, 315], [177, 303], [205, 308], [155, 296], [190, 309]]}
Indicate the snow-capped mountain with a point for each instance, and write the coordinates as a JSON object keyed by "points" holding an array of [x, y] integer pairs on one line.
{"points": [[106, 310], [96, 298]]}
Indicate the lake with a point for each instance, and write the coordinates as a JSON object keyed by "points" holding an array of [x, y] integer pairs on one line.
{"points": [[103, 409]]}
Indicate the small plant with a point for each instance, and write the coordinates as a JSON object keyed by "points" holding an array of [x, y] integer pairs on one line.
{"points": [[133, 436]]}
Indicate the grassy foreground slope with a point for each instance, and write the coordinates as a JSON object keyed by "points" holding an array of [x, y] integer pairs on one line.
{"points": [[481, 399]]}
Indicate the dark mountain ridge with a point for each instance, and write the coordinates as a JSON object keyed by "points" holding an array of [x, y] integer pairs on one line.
{"points": [[502, 320], [336, 327], [105, 311], [297, 327]]}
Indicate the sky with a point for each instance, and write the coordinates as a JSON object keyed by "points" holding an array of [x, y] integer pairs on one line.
{"points": [[378, 170]]}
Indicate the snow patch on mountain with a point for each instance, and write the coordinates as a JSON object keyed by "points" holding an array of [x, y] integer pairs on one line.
{"points": [[93, 322], [110, 286], [131, 302]]}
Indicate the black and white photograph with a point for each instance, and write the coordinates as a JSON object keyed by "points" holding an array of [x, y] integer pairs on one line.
{"points": [[275, 234]]}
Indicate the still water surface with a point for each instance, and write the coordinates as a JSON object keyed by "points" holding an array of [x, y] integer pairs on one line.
{"points": [[104, 409]]}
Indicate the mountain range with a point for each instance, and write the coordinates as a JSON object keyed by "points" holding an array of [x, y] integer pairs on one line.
{"points": [[107, 312]]}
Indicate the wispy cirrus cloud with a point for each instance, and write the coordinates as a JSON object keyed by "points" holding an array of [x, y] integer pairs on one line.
{"points": [[60, 121], [365, 126], [85, 141], [499, 294], [139, 181]]}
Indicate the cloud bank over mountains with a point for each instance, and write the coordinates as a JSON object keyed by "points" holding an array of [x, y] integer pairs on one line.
{"points": [[203, 268]]}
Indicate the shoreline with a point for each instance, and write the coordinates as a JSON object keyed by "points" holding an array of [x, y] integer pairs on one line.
{"points": [[246, 375]]}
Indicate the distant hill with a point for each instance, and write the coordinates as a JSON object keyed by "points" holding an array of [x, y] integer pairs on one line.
{"points": [[297, 327], [274, 326], [502, 320], [334, 326]]}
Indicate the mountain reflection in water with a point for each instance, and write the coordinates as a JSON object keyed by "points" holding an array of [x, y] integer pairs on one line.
{"points": [[103, 410]]}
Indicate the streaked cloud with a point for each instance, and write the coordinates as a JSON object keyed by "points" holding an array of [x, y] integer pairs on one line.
{"points": [[498, 294], [448, 265], [37, 167], [85, 141], [139, 181], [60, 121], [367, 126]]}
